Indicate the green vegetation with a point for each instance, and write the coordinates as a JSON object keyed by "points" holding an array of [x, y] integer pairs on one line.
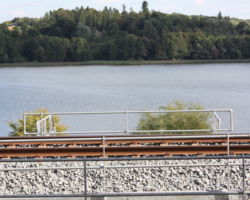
{"points": [[176, 121], [85, 34], [18, 127]]}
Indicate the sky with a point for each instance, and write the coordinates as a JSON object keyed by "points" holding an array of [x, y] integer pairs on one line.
{"points": [[10, 9]]}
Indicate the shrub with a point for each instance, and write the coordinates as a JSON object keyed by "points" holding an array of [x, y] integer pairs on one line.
{"points": [[176, 121], [18, 127]]}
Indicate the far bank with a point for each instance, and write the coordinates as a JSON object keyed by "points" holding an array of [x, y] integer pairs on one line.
{"points": [[121, 62]]}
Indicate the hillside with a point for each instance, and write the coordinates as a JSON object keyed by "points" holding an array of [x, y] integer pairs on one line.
{"points": [[87, 34]]}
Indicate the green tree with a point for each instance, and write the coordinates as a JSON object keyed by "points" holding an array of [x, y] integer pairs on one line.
{"points": [[110, 34], [79, 49], [219, 16], [145, 7], [141, 50], [18, 126], [176, 121]]}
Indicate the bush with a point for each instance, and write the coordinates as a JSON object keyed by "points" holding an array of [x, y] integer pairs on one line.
{"points": [[18, 127], [176, 121]]}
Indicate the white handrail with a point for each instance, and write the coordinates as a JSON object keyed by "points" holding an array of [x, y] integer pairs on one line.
{"points": [[46, 125]]}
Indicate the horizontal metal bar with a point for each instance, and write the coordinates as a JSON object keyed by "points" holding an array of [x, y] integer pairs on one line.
{"points": [[129, 112], [177, 111], [125, 158], [122, 167], [194, 193], [133, 131], [139, 131], [228, 129], [45, 118], [26, 133], [168, 131], [108, 138], [80, 132], [89, 132]]}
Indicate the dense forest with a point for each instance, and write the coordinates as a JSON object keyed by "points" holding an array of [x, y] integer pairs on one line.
{"points": [[86, 34]]}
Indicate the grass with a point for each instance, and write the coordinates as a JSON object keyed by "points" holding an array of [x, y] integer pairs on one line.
{"points": [[121, 62]]}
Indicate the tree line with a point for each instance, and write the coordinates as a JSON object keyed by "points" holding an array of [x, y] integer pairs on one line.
{"points": [[86, 34]]}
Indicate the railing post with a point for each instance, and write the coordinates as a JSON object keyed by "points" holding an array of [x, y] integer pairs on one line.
{"points": [[41, 125], [214, 122], [231, 119], [228, 162], [45, 127], [24, 124], [126, 122], [38, 127], [104, 177], [85, 179], [228, 175], [50, 125], [53, 125], [103, 147], [243, 179]]}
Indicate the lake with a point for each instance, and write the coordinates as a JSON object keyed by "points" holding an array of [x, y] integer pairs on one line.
{"points": [[111, 88]]}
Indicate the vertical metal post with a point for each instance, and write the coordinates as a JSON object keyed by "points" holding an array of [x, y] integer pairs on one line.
{"points": [[104, 178], [41, 125], [219, 124], [228, 144], [103, 147], [231, 119], [214, 122], [50, 125], [38, 128], [85, 178], [45, 127], [127, 122], [24, 124], [228, 164], [53, 125], [228, 175], [243, 179]]}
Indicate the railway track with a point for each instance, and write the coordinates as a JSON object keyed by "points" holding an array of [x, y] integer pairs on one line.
{"points": [[108, 146]]}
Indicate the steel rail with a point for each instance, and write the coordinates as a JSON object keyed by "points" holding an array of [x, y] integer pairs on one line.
{"points": [[126, 146], [104, 142], [124, 151]]}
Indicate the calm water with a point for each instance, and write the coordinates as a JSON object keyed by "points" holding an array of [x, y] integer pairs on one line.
{"points": [[105, 88]]}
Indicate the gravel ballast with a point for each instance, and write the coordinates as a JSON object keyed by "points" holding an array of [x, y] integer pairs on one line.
{"points": [[102, 179]]}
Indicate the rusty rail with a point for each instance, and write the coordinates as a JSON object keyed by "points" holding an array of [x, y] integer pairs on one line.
{"points": [[124, 151], [100, 146]]}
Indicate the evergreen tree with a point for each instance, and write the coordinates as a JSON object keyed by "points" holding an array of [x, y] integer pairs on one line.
{"points": [[85, 33]]}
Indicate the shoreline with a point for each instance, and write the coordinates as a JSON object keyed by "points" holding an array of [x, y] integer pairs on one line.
{"points": [[121, 62]]}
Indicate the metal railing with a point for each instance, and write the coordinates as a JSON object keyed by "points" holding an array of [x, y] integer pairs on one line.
{"points": [[223, 162], [46, 125]]}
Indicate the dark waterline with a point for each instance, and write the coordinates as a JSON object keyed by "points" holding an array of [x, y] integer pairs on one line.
{"points": [[105, 88]]}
